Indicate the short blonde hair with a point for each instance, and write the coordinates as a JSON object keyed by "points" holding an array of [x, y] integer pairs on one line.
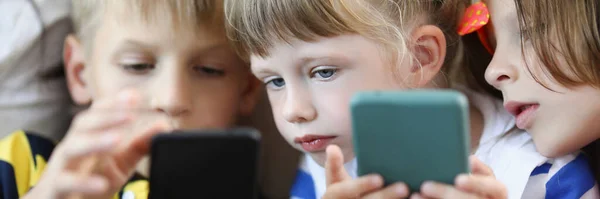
{"points": [[254, 25], [87, 14]]}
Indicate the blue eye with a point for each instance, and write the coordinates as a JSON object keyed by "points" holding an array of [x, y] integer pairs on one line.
{"points": [[276, 82], [138, 68], [325, 73]]}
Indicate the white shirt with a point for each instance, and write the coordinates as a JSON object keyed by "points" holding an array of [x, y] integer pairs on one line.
{"points": [[512, 155]]}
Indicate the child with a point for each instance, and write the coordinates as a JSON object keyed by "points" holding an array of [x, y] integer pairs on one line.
{"points": [[314, 55], [546, 65], [175, 61]]}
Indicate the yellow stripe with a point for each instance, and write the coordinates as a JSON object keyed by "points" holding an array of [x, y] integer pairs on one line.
{"points": [[138, 188], [37, 172], [15, 150]]}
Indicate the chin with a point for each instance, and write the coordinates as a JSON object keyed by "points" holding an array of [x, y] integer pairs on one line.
{"points": [[319, 157], [551, 149]]}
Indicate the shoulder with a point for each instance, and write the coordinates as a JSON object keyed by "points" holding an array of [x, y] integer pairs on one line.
{"points": [[304, 185], [569, 176], [136, 188], [22, 143], [23, 157]]}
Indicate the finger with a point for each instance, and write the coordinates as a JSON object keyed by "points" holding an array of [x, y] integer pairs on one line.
{"points": [[439, 190], [419, 196], [355, 188], [479, 167], [131, 151], [97, 121], [398, 190], [334, 166], [70, 183], [128, 98], [481, 185], [86, 144]]}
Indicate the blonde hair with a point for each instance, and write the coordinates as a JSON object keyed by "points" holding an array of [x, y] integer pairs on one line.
{"points": [[87, 14], [254, 25], [563, 33]]}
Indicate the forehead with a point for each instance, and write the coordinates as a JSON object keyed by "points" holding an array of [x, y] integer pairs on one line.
{"points": [[502, 12], [162, 32]]}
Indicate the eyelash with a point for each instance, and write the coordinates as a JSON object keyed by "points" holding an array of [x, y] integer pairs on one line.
{"points": [[316, 71], [143, 68], [271, 82], [209, 71], [140, 68], [274, 81]]}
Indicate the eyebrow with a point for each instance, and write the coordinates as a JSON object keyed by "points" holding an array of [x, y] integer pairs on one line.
{"points": [[131, 45], [313, 60], [304, 61]]}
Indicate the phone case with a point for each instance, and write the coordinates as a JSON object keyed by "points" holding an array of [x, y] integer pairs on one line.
{"points": [[205, 164], [411, 136]]}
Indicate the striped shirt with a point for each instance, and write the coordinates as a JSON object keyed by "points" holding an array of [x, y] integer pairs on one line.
{"points": [[23, 158], [568, 177]]}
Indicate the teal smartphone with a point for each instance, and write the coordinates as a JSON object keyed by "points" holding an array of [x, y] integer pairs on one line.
{"points": [[411, 136]]}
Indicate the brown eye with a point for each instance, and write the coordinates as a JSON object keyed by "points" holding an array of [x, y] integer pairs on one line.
{"points": [[138, 68], [210, 71]]}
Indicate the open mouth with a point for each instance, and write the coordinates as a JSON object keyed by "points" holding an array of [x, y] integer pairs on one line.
{"points": [[314, 143]]}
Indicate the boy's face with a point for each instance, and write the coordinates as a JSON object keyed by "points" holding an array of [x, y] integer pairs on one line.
{"points": [[561, 120], [191, 76], [310, 85]]}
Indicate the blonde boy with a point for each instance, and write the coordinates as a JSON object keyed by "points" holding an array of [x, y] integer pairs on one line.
{"points": [[173, 60]]}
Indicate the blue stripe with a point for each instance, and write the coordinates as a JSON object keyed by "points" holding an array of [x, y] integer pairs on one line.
{"points": [[39, 146], [542, 169], [304, 186], [8, 183], [571, 181]]}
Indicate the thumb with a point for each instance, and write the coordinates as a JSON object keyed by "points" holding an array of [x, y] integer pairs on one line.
{"points": [[334, 165], [479, 167], [133, 149]]}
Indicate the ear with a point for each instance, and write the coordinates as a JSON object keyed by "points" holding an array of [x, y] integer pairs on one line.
{"points": [[250, 96], [73, 56], [429, 49]]}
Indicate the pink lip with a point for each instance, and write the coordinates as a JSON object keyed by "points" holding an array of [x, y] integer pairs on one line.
{"points": [[523, 112], [314, 143]]}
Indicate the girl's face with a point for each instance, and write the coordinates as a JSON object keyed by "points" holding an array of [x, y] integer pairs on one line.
{"points": [[310, 85], [560, 119]]}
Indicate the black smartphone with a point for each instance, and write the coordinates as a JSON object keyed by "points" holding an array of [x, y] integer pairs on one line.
{"points": [[205, 164]]}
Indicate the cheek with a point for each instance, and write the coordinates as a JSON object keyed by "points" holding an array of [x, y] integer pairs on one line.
{"points": [[105, 82], [334, 110]]}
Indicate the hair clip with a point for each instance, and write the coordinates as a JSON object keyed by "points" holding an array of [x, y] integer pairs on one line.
{"points": [[476, 17]]}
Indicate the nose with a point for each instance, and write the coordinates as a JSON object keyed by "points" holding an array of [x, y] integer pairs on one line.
{"points": [[500, 71], [298, 107], [170, 91]]}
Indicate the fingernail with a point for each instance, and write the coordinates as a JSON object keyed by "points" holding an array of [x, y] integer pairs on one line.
{"points": [[124, 116], [427, 187], [97, 184], [461, 179], [375, 180], [401, 190], [109, 139], [415, 196]]}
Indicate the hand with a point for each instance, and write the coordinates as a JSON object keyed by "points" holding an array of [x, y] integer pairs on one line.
{"points": [[98, 154], [480, 184], [340, 185]]}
